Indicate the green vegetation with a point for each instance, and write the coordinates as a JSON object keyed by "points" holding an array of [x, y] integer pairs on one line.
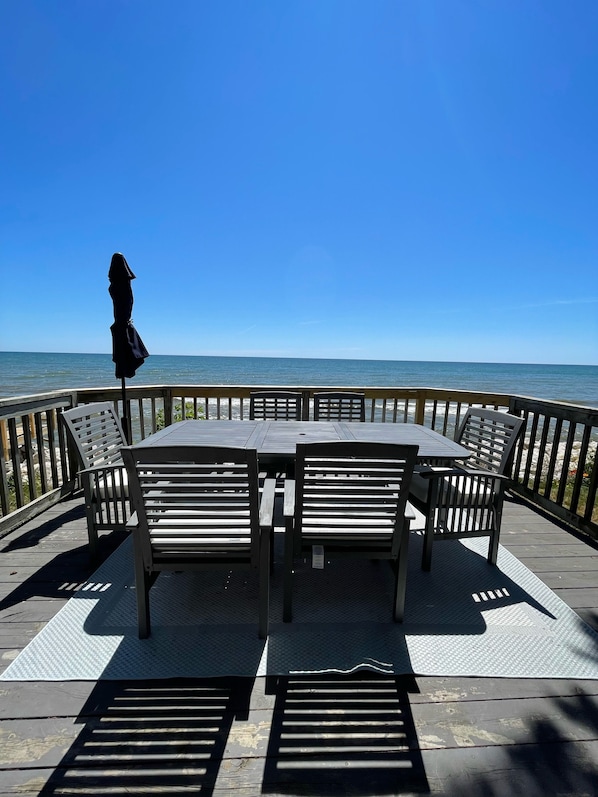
{"points": [[570, 483], [190, 414], [27, 497]]}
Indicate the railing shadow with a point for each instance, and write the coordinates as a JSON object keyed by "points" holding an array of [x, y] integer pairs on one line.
{"points": [[462, 587], [65, 573], [145, 737], [343, 734], [31, 538]]}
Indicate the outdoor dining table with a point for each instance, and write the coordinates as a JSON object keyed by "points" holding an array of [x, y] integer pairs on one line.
{"points": [[276, 441]]}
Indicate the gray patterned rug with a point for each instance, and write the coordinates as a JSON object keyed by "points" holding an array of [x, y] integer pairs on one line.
{"points": [[464, 618]]}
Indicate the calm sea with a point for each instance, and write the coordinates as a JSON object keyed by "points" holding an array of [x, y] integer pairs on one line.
{"points": [[23, 373]]}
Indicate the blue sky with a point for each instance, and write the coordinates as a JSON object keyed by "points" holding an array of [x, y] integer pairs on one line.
{"points": [[409, 180]]}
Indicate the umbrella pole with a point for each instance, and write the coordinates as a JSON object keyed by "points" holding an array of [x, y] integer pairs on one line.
{"points": [[125, 420]]}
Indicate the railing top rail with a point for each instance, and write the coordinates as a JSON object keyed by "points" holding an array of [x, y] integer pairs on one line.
{"points": [[242, 391], [556, 409], [31, 402], [21, 405]]}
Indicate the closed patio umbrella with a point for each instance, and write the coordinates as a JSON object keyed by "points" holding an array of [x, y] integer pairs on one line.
{"points": [[128, 351]]}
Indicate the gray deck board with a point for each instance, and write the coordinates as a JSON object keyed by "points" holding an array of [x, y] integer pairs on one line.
{"points": [[449, 736]]}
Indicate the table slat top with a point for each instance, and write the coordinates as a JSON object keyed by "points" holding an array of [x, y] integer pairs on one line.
{"points": [[278, 439]]}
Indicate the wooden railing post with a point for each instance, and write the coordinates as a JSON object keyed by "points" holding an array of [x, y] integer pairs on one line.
{"points": [[420, 408], [168, 411]]}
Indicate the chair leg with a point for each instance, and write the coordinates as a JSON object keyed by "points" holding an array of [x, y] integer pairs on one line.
{"points": [[428, 542], [92, 533], [92, 529], [142, 588], [495, 535], [493, 548], [287, 600], [430, 512], [264, 579], [496, 524], [401, 576]]}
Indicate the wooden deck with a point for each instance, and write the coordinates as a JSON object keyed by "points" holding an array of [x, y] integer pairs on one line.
{"points": [[451, 736]]}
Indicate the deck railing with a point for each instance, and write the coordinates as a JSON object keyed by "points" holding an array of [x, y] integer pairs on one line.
{"points": [[554, 466]]}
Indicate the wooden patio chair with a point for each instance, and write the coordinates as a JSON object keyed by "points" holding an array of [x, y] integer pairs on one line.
{"points": [[351, 499], [198, 508], [276, 405], [339, 406], [96, 435], [467, 501]]}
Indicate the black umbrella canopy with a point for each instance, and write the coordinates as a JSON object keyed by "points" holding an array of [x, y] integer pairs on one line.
{"points": [[128, 350]]}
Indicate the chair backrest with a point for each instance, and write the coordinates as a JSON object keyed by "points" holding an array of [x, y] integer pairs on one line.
{"points": [[339, 406], [96, 433], [195, 503], [278, 405], [490, 435], [353, 494]]}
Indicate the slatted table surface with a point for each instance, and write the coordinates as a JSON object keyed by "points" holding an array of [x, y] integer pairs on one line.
{"points": [[275, 441]]}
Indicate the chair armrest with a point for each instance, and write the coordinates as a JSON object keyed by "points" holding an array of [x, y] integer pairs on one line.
{"points": [[267, 503], [440, 473], [289, 498], [435, 472], [99, 468]]}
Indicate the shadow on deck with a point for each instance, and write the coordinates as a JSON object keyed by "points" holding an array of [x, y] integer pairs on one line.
{"points": [[351, 734]]}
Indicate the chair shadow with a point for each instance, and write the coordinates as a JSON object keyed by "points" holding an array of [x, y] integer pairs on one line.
{"points": [[342, 624], [334, 734], [203, 623], [152, 736], [453, 597]]}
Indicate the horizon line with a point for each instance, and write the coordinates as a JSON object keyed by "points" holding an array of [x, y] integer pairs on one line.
{"points": [[295, 357]]}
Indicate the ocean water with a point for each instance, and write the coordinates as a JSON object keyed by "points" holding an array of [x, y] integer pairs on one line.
{"points": [[26, 373]]}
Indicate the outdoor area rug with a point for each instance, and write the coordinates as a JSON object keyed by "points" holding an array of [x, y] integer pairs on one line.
{"points": [[464, 618]]}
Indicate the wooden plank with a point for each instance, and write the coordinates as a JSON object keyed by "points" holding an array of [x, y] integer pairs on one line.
{"points": [[506, 722], [586, 597], [568, 579], [32, 611], [542, 536], [533, 769], [43, 741], [556, 549], [547, 564], [434, 689], [32, 699], [589, 616]]}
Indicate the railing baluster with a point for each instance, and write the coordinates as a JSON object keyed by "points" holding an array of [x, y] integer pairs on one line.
{"points": [[566, 464], [579, 476], [4, 492], [560, 438], [13, 437], [541, 453], [556, 439], [41, 452]]}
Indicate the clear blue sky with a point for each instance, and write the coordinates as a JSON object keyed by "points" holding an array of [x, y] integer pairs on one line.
{"points": [[411, 179]]}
